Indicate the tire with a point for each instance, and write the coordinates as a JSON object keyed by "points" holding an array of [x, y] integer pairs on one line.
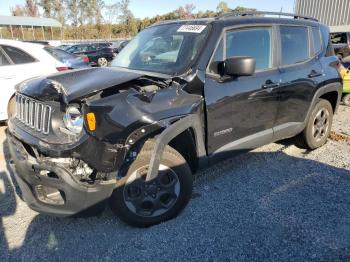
{"points": [[318, 127], [346, 99], [102, 62], [134, 201]]}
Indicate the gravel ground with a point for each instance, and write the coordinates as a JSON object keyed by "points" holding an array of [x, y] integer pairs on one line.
{"points": [[275, 203]]}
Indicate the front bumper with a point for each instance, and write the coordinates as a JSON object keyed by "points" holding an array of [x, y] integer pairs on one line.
{"points": [[68, 196]]}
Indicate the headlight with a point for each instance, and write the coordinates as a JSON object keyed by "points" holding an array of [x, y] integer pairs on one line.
{"points": [[73, 119]]}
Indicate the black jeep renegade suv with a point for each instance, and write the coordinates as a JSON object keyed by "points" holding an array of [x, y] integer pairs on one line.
{"points": [[180, 96]]}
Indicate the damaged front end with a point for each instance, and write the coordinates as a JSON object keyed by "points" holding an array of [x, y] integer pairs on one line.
{"points": [[65, 167], [58, 186]]}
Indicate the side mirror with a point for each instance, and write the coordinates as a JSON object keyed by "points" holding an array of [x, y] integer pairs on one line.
{"points": [[239, 66]]}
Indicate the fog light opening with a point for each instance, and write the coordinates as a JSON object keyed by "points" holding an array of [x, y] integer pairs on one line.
{"points": [[49, 195], [49, 174]]}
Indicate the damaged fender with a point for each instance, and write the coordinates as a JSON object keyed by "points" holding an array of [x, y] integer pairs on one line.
{"points": [[190, 121]]}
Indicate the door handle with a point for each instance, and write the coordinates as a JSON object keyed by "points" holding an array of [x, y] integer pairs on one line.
{"points": [[314, 74], [270, 85]]}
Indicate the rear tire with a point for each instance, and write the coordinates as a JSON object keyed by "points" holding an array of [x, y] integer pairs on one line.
{"points": [[318, 127], [346, 99], [142, 204], [102, 62]]}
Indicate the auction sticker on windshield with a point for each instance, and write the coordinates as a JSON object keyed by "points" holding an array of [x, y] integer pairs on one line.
{"points": [[191, 28]]}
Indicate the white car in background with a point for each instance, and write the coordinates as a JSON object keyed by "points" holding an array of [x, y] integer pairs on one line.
{"points": [[21, 60]]}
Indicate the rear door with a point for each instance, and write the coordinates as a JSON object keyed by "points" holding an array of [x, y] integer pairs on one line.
{"points": [[301, 73], [241, 111]]}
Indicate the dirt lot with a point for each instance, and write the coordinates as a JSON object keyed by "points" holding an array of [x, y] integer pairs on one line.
{"points": [[277, 202]]}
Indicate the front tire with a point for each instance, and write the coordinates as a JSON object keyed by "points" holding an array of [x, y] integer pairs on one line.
{"points": [[318, 126], [346, 99], [142, 204]]}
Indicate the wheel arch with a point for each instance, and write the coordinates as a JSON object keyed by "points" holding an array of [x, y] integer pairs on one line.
{"points": [[332, 97], [331, 92], [177, 134], [185, 144]]}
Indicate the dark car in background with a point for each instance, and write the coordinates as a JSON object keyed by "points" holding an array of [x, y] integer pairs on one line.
{"points": [[99, 54], [70, 60]]}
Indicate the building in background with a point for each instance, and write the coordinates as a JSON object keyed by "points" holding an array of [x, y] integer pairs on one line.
{"points": [[29, 28], [334, 13]]}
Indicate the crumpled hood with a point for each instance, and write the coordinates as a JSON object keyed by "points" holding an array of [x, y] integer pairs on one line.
{"points": [[76, 83]]}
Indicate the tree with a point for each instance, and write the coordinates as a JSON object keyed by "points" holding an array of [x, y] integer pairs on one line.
{"points": [[223, 8], [46, 5], [17, 10], [127, 19], [125, 12], [31, 8], [73, 14], [112, 12], [144, 23], [58, 7], [243, 9], [180, 12], [189, 8], [55, 9]]}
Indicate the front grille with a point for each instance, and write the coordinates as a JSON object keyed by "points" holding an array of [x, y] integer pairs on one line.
{"points": [[33, 114]]}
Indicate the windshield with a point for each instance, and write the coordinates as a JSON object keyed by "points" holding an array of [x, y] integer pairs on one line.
{"points": [[167, 49]]}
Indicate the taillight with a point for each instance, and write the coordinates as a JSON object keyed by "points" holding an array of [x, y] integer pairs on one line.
{"points": [[86, 59], [61, 68]]}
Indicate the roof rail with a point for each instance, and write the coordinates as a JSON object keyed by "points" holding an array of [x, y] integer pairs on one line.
{"points": [[260, 13]]}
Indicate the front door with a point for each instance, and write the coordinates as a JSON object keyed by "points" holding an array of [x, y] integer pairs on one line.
{"points": [[241, 111]]}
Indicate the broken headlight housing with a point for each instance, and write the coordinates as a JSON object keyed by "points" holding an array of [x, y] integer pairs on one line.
{"points": [[73, 119]]}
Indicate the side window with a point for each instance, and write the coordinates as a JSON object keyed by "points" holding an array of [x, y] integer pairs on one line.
{"points": [[3, 59], [254, 42], [78, 48], [91, 48], [294, 44], [317, 41], [17, 55]]}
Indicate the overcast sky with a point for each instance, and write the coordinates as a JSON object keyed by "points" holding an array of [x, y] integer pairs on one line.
{"points": [[143, 8]]}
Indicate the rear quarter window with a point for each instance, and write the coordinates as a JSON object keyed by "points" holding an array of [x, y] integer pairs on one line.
{"points": [[3, 59], [317, 41], [18, 56]]}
